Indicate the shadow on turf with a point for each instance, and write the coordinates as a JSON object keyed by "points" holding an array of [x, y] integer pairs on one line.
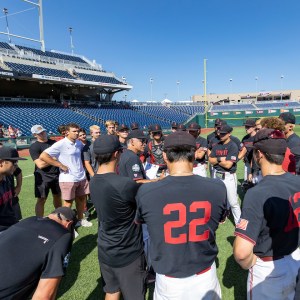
{"points": [[81, 248], [235, 277]]}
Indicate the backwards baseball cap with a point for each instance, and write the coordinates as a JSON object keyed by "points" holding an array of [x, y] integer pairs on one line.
{"points": [[136, 134], [8, 153], [106, 144], [67, 212], [194, 127], [36, 129], [179, 138], [287, 117], [123, 127], [225, 129], [174, 125], [155, 128], [270, 141], [134, 126], [249, 123], [181, 127]]}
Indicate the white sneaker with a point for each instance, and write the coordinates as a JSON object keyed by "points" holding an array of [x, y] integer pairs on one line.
{"points": [[84, 223], [76, 234]]}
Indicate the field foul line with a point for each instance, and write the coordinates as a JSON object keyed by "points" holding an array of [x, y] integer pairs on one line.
{"points": [[28, 176]]}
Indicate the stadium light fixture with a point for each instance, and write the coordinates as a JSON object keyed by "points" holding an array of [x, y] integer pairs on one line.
{"points": [[256, 83], [281, 79], [71, 40], [151, 90], [178, 83], [230, 83], [5, 11]]}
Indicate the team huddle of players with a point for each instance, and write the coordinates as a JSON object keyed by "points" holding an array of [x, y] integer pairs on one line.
{"points": [[158, 210]]}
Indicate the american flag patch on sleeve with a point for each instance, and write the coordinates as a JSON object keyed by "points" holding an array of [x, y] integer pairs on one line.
{"points": [[242, 224], [233, 158]]}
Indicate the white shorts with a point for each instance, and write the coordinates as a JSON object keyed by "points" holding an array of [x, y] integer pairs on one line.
{"points": [[274, 280], [203, 286]]}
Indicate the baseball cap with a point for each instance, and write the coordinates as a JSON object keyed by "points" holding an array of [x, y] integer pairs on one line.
{"points": [[8, 153], [179, 138], [123, 127], [270, 141], [155, 128], [106, 144], [250, 123], [67, 212], [174, 125], [217, 121], [36, 129], [287, 117], [181, 127], [221, 123], [225, 129], [136, 134], [194, 127], [134, 126]]}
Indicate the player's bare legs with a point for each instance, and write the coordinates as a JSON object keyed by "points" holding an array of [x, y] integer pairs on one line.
{"points": [[57, 200], [114, 296], [39, 207], [80, 204], [68, 203]]}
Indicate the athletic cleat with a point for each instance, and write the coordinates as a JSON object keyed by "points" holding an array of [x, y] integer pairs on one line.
{"points": [[84, 223]]}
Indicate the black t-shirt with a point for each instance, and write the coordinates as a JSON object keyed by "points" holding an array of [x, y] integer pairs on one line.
{"points": [[131, 166], [32, 249], [293, 141], [270, 215], [247, 142], [201, 143], [236, 141], [120, 239], [35, 150], [230, 151], [182, 214], [7, 215], [211, 136]]}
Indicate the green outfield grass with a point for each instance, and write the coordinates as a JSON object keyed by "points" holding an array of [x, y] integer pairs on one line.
{"points": [[83, 276]]}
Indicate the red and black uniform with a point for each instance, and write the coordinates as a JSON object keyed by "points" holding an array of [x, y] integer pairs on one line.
{"points": [[201, 143], [182, 214]]}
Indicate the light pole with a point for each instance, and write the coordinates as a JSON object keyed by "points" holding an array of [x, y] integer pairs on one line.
{"points": [[71, 40], [230, 84], [256, 84], [151, 82], [178, 82], [5, 11], [281, 78]]}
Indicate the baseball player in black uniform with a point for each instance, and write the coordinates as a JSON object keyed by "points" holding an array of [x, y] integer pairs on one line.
{"points": [[34, 255], [223, 158], [201, 144], [267, 235], [45, 176], [120, 242], [182, 213]]}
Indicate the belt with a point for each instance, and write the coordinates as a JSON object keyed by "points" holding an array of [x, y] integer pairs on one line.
{"points": [[271, 258], [199, 273]]}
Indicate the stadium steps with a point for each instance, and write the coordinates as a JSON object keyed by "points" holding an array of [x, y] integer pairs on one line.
{"points": [[150, 115], [83, 113]]}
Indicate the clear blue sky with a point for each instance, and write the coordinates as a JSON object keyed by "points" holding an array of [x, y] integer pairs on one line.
{"points": [[167, 40]]}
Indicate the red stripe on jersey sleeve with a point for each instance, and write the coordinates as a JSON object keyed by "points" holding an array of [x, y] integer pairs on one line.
{"points": [[245, 237]]}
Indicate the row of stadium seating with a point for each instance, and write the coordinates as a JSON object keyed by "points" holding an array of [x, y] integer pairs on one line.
{"points": [[232, 107], [98, 78], [5, 46], [278, 104]]}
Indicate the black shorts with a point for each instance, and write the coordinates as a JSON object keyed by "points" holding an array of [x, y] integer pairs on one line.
{"points": [[42, 186], [129, 280]]}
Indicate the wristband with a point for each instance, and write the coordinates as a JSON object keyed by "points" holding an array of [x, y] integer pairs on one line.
{"points": [[218, 159]]}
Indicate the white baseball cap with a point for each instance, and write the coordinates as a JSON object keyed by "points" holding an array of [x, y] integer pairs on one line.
{"points": [[36, 129]]}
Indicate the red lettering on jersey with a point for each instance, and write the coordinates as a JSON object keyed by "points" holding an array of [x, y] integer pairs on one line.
{"points": [[293, 221], [193, 225], [221, 152]]}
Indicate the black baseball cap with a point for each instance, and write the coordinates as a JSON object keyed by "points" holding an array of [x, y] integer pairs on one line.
{"points": [[221, 123], [287, 117], [217, 121], [181, 127], [155, 128], [179, 138], [270, 141], [8, 153], [174, 125], [106, 144], [136, 134], [123, 127], [134, 126], [249, 123], [225, 129], [67, 212], [194, 127]]}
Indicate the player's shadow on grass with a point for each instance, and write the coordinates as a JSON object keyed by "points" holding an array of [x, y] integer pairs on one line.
{"points": [[235, 277], [81, 248]]}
